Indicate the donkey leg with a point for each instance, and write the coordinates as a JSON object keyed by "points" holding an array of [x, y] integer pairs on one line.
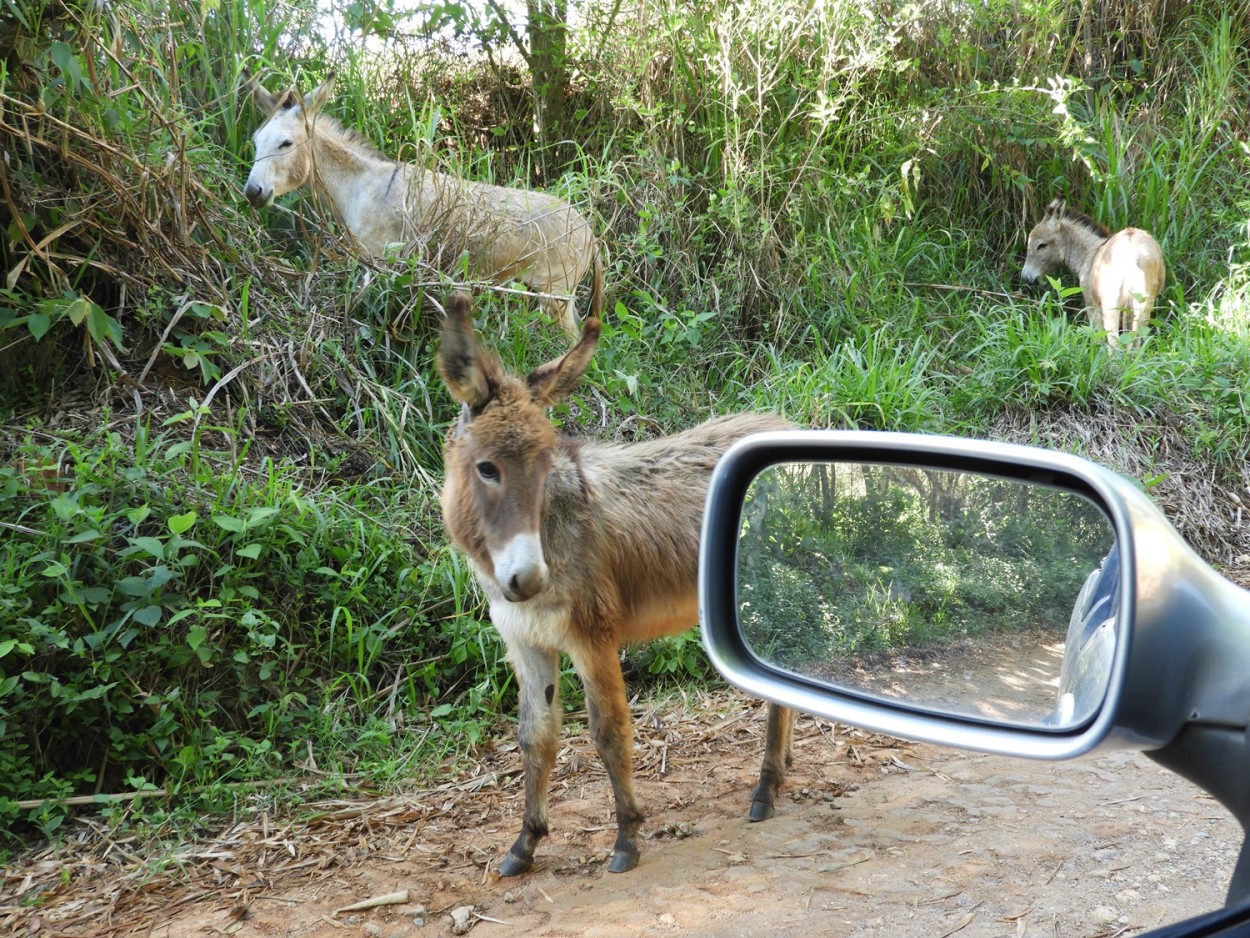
{"points": [[612, 728], [564, 313], [777, 758], [538, 676], [1111, 324], [1142, 307]]}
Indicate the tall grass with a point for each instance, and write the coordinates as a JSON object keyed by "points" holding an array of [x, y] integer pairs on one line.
{"points": [[811, 208]]}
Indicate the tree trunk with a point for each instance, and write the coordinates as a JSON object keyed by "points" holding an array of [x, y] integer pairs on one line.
{"points": [[548, 43]]}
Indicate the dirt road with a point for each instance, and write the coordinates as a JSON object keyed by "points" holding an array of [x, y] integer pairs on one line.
{"points": [[873, 837]]}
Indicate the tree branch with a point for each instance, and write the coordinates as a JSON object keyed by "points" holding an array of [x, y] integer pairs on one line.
{"points": [[512, 33]]}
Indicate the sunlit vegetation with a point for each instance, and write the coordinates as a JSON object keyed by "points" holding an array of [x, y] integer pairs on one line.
{"points": [[221, 557]]}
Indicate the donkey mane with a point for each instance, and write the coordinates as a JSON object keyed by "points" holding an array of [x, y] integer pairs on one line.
{"points": [[1087, 222], [330, 127]]}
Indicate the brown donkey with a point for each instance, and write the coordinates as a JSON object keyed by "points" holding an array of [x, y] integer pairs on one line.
{"points": [[580, 547]]}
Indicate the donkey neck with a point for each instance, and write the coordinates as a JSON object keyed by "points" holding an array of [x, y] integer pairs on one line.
{"points": [[1080, 245], [361, 186]]}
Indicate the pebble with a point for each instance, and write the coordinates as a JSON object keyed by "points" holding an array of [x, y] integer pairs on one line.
{"points": [[1102, 915], [461, 920]]}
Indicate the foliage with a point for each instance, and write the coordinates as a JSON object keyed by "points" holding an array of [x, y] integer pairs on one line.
{"points": [[170, 617], [220, 450], [841, 559]]}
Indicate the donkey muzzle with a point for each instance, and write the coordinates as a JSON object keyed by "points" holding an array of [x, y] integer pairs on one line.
{"points": [[258, 195], [520, 568]]}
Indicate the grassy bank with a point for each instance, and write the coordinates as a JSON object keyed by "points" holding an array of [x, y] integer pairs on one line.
{"points": [[221, 550]]}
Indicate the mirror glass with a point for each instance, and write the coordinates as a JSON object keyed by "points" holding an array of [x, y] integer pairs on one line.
{"points": [[954, 592]]}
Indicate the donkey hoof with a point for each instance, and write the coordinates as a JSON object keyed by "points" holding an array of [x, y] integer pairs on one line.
{"points": [[762, 810], [623, 861], [513, 865]]}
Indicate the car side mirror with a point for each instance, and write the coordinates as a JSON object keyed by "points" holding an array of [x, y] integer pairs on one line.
{"points": [[993, 597]]}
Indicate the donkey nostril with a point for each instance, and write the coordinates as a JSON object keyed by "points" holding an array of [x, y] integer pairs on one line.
{"points": [[525, 584]]}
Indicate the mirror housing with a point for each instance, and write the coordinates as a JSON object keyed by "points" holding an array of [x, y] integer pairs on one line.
{"points": [[1179, 685]]}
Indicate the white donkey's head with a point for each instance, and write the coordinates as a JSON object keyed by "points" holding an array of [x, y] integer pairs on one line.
{"points": [[500, 453], [283, 154], [1047, 245]]}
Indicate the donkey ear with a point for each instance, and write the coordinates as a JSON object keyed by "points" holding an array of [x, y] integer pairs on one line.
{"points": [[316, 99], [266, 101], [552, 382], [1057, 208], [471, 374]]}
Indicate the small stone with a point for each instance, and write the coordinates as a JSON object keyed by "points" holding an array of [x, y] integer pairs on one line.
{"points": [[461, 920], [509, 898], [1103, 915]]}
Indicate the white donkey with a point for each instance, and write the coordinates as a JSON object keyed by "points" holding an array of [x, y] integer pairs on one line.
{"points": [[1120, 274], [503, 233]]}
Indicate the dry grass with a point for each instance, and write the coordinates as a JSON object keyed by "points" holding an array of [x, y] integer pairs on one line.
{"points": [[1208, 508]]}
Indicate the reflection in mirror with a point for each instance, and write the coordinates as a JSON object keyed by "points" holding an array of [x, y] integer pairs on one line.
{"points": [[951, 591]]}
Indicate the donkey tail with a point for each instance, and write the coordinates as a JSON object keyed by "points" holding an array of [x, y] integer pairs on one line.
{"points": [[596, 295]]}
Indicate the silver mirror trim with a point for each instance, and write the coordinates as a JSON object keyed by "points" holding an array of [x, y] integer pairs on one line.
{"points": [[718, 618]]}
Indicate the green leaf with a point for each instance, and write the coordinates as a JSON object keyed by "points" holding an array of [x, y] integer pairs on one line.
{"points": [[102, 326], [196, 636], [251, 551], [38, 324], [136, 586], [149, 615], [233, 525], [152, 545], [65, 507], [65, 59], [179, 524], [77, 310], [259, 515]]}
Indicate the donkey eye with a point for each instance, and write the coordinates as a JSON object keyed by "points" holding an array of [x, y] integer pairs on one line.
{"points": [[488, 471], [284, 144], [1040, 245]]}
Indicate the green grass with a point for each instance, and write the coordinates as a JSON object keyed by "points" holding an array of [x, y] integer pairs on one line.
{"points": [[806, 210]]}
